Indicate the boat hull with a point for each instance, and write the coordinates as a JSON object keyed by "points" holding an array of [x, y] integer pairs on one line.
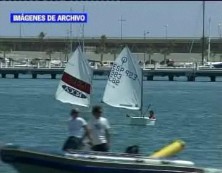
{"points": [[28, 160], [217, 65], [142, 121]]}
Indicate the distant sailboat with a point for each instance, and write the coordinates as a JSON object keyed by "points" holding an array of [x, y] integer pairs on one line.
{"points": [[124, 88], [207, 63], [76, 82]]}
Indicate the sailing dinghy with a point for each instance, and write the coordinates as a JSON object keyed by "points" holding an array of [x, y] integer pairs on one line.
{"points": [[76, 82], [124, 88]]}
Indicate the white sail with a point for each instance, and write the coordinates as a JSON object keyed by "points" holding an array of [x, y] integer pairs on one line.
{"points": [[124, 86], [75, 84]]}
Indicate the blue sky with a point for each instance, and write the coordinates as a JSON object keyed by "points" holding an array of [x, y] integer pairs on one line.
{"points": [[179, 18]]}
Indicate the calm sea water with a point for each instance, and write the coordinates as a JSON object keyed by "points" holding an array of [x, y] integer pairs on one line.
{"points": [[191, 111]]}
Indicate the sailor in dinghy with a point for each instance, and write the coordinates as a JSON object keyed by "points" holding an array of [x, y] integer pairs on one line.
{"points": [[124, 88]]}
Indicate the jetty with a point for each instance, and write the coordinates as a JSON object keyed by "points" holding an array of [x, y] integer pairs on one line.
{"points": [[190, 73]]}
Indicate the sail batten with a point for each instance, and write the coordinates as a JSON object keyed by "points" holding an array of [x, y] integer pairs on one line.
{"points": [[123, 89], [76, 82]]}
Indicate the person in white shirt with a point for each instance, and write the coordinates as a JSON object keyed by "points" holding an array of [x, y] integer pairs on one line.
{"points": [[78, 130], [99, 130]]}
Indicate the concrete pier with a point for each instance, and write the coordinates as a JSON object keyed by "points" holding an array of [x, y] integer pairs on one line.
{"points": [[171, 73]]}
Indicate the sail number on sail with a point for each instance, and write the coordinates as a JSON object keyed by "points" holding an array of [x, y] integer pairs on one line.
{"points": [[117, 72], [76, 83], [73, 92]]}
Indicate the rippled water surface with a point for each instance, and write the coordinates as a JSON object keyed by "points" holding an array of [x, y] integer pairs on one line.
{"points": [[191, 111]]}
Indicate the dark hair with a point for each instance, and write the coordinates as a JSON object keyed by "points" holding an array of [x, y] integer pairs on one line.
{"points": [[97, 109], [134, 149], [151, 112], [74, 111]]}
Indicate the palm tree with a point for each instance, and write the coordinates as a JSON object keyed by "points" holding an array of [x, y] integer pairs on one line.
{"points": [[115, 51], [4, 49], [165, 51], [150, 51], [65, 51], [41, 37], [102, 47], [49, 52]]}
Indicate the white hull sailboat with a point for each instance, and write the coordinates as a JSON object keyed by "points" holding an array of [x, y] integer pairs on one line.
{"points": [[75, 85], [124, 88], [145, 121]]}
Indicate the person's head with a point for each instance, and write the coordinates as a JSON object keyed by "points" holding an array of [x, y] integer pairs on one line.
{"points": [[151, 112], [74, 113], [97, 111]]}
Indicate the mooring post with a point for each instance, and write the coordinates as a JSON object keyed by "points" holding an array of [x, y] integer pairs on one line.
{"points": [[150, 78], [212, 78], [190, 78], [53, 76], [170, 77], [34, 76], [16, 75], [3, 75]]}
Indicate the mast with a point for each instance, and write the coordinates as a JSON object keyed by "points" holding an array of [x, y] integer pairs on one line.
{"points": [[203, 37], [208, 56], [83, 32], [70, 33], [141, 109]]}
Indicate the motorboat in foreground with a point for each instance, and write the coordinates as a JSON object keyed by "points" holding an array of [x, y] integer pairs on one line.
{"points": [[35, 160]]}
